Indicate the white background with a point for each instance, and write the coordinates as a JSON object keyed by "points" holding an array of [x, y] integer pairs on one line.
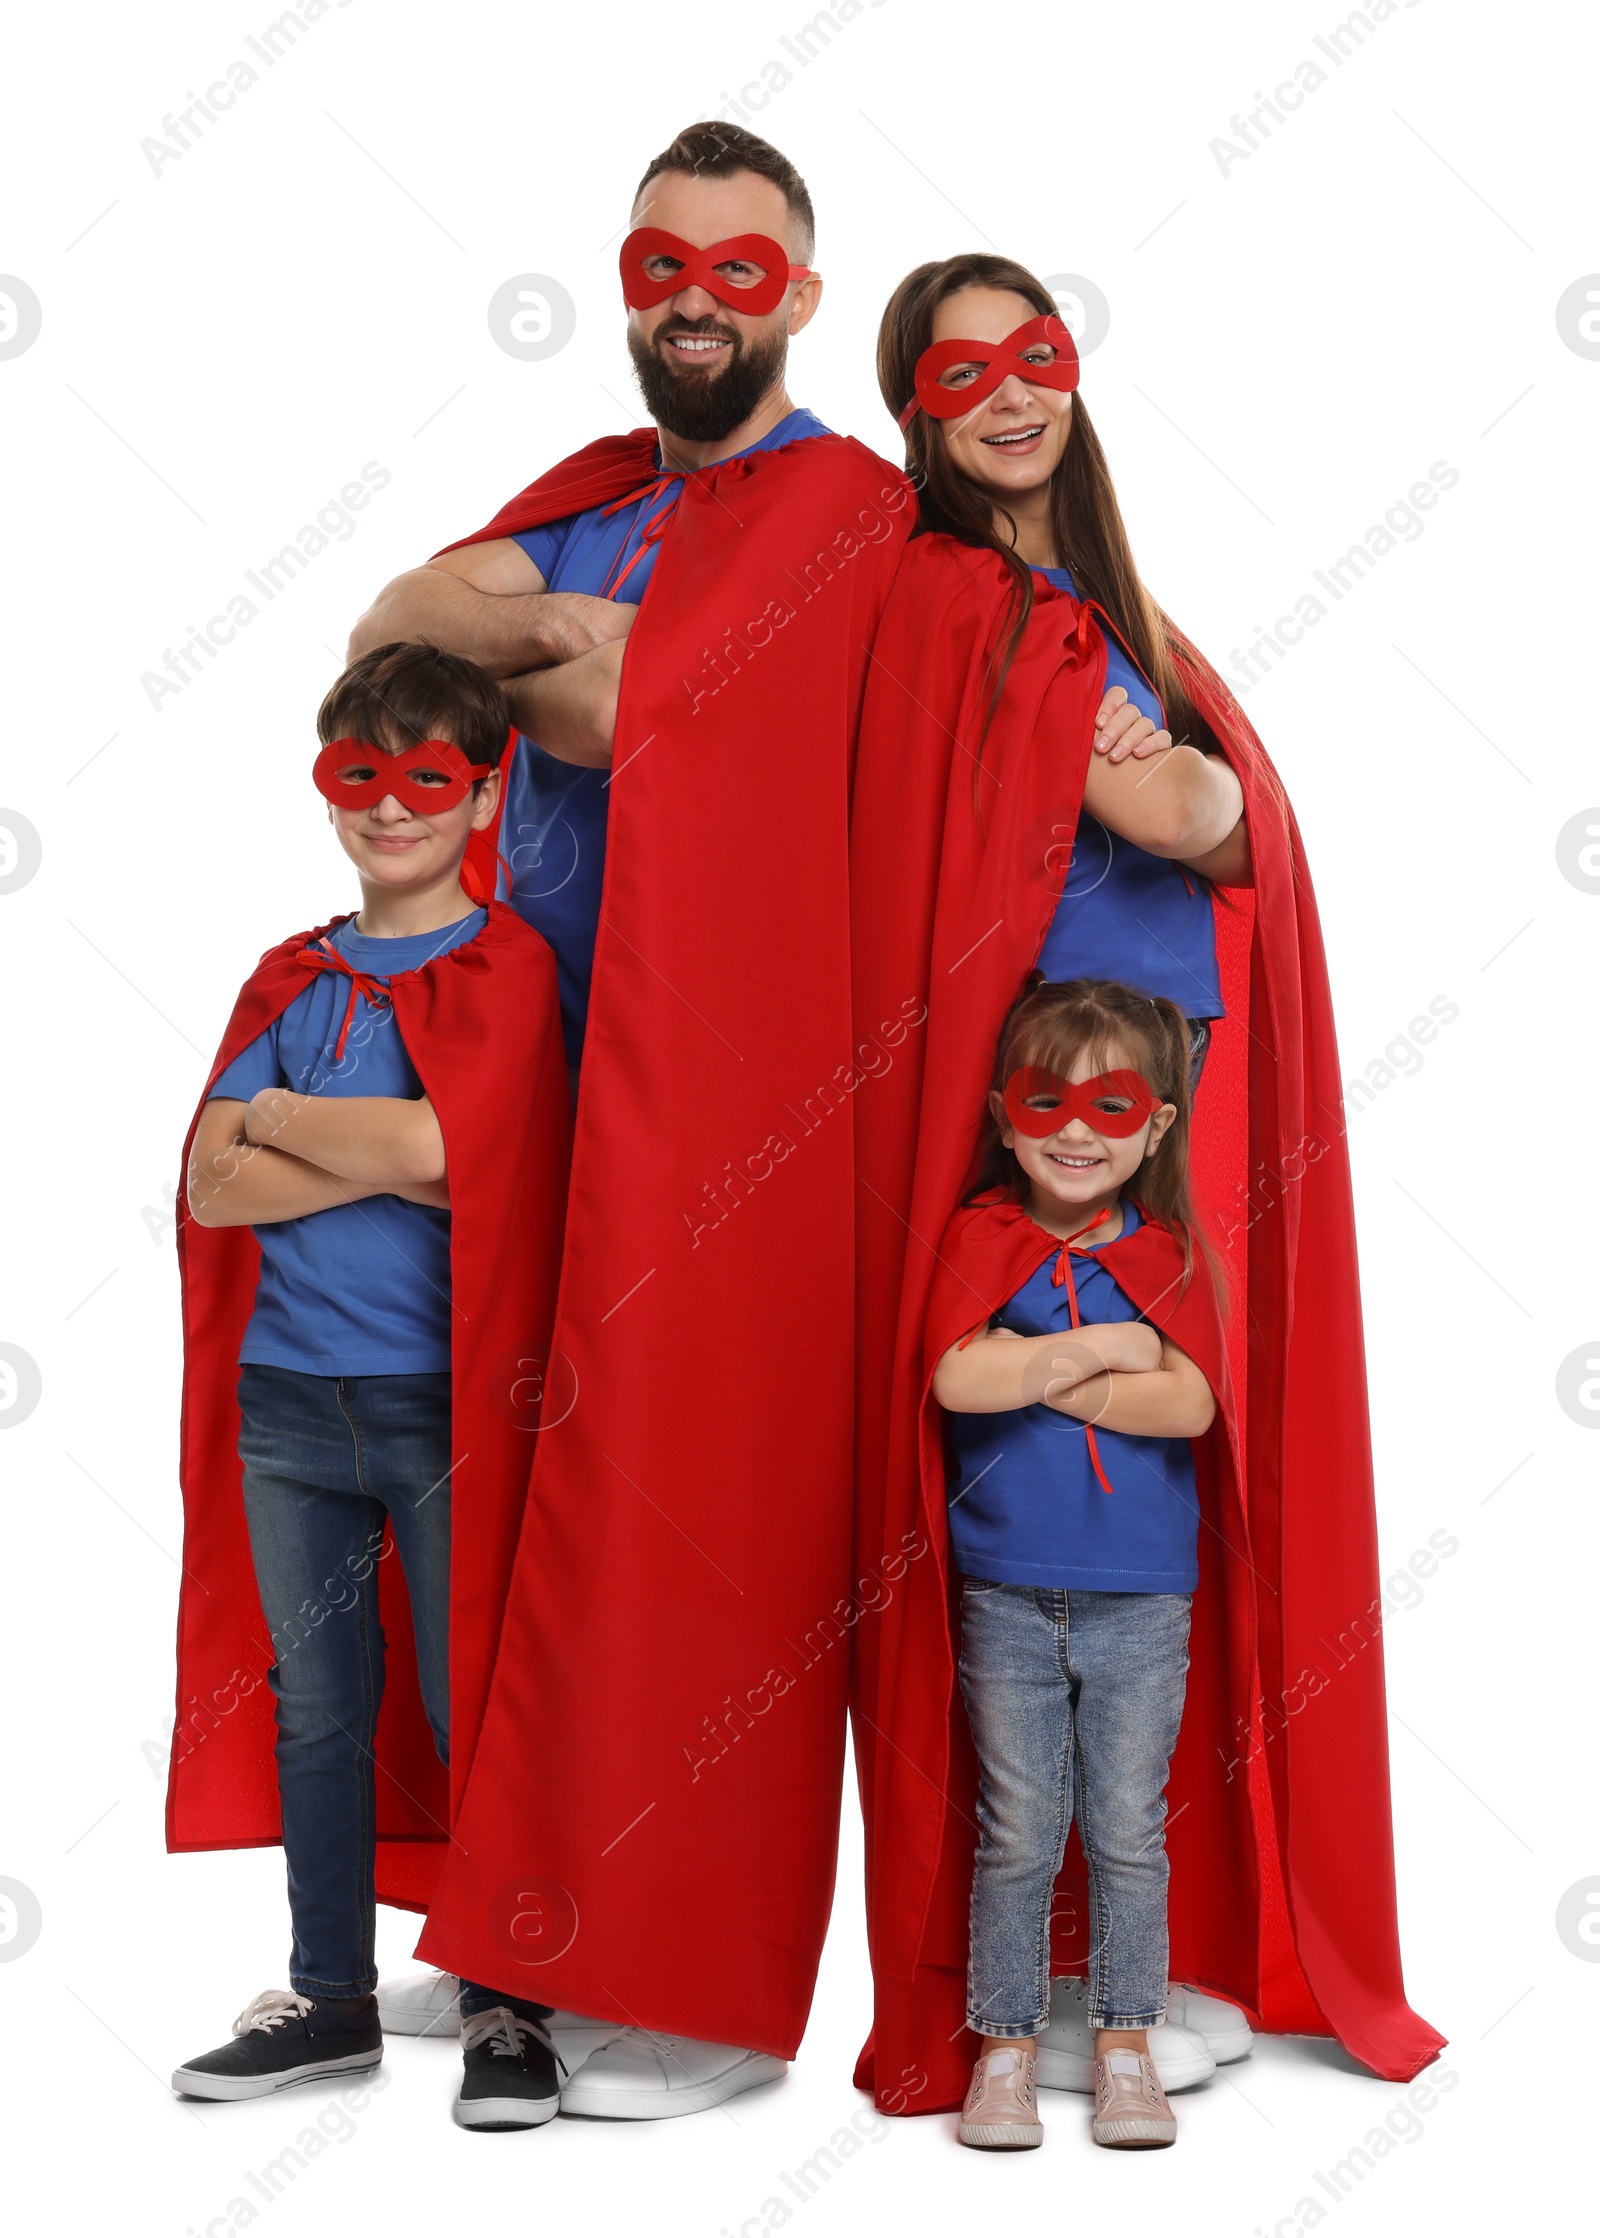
{"points": [[1293, 343]]}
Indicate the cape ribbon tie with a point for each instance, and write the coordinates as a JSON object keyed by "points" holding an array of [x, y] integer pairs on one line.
{"points": [[482, 866], [654, 528], [325, 957], [1062, 1279]]}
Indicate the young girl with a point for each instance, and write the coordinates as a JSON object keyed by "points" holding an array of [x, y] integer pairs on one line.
{"points": [[1073, 1523]]}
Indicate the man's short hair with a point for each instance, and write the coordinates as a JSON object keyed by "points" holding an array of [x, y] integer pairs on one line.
{"points": [[401, 694], [716, 151]]}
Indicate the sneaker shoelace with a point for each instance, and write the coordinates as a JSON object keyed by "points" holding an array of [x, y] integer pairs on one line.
{"points": [[664, 2047], [506, 2034], [271, 2009]]}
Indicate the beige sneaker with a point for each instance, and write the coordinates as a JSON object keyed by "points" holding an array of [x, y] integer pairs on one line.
{"points": [[1000, 2113], [1131, 2112]]}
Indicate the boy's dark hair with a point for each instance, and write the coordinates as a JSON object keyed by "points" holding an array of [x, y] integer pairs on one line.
{"points": [[716, 151], [398, 695]]}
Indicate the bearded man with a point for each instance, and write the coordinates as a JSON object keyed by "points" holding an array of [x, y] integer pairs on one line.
{"points": [[680, 618]]}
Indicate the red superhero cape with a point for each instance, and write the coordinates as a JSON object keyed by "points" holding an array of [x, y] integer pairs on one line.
{"points": [[649, 1834], [602, 473], [1283, 1889], [482, 1026], [991, 1247], [607, 472]]}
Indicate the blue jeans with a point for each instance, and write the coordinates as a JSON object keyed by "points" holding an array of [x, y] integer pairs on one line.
{"points": [[1074, 1701], [326, 1459]]}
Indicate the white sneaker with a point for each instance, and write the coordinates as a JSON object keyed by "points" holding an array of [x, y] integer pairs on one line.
{"points": [[577, 2039], [1066, 2049], [426, 2005], [419, 2005], [1221, 2027], [645, 2077]]}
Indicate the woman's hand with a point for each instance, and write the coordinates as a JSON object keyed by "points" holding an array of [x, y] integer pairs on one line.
{"points": [[1185, 806], [1121, 732]]}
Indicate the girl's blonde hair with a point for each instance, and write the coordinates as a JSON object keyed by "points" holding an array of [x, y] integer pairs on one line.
{"points": [[1051, 1026]]}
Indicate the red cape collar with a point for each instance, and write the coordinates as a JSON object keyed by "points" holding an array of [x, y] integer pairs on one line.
{"points": [[993, 1246], [607, 472]]}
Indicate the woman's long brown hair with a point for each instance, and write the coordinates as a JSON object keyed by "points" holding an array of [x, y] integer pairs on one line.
{"points": [[1055, 1023], [1086, 518]]}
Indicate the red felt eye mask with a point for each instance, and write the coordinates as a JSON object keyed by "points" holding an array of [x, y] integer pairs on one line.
{"points": [[353, 773], [1112, 1103], [997, 359], [699, 269]]}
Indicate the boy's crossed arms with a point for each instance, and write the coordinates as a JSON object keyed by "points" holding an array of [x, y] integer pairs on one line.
{"points": [[282, 1155]]}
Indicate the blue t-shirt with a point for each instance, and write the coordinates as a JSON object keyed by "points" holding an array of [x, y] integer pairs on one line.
{"points": [[363, 1288], [1026, 1507], [553, 831], [1125, 914]]}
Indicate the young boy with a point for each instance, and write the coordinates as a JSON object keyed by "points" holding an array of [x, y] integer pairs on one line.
{"points": [[389, 1121]]}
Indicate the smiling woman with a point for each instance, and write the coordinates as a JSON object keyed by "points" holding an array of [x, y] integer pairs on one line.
{"points": [[1008, 478], [1009, 820]]}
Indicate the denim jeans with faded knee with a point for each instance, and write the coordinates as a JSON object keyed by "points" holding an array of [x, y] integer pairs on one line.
{"points": [[1074, 1701]]}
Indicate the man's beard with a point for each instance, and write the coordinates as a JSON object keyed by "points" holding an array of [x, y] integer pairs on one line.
{"points": [[706, 407]]}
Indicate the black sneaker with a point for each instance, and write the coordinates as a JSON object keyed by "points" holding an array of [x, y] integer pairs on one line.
{"points": [[283, 2039], [510, 2079]]}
